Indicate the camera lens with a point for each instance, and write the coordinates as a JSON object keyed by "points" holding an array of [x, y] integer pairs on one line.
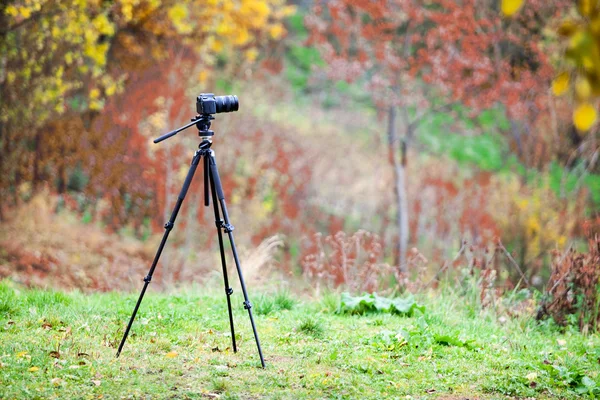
{"points": [[227, 103]]}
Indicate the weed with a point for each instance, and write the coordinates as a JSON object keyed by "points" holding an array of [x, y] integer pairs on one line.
{"points": [[264, 305], [330, 302], [573, 291], [284, 300], [218, 385], [312, 326]]}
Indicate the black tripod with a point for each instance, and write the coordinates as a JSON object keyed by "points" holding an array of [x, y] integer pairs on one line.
{"points": [[211, 177]]}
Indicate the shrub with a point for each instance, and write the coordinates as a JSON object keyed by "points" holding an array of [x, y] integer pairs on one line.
{"points": [[340, 260], [573, 292]]}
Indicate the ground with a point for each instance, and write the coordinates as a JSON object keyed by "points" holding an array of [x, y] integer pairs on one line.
{"points": [[63, 345]]}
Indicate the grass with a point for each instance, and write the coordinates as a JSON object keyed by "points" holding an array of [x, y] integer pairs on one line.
{"points": [[62, 345]]}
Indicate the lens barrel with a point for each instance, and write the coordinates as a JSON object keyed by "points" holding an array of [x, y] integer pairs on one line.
{"points": [[226, 103]]}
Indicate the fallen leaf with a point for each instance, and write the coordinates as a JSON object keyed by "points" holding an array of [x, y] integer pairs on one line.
{"points": [[171, 354], [54, 354], [532, 376], [561, 342], [97, 383], [33, 369], [57, 381], [21, 354]]}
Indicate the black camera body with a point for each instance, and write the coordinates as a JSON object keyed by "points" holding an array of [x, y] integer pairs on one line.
{"points": [[208, 103]]}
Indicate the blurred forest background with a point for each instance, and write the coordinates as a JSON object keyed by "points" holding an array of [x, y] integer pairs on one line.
{"points": [[378, 145]]}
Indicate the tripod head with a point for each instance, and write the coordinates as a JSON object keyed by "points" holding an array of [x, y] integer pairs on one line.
{"points": [[202, 122], [206, 105]]}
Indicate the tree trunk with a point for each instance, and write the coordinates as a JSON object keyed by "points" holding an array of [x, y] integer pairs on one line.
{"points": [[400, 194]]}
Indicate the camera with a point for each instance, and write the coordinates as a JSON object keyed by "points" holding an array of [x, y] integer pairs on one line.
{"points": [[208, 103]]}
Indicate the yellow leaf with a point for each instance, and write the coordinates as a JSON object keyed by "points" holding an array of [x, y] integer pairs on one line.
{"points": [[567, 28], [276, 31], [111, 89], [251, 54], [241, 37], [583, 89], [21, 354], [33, 369], [11, 10], [94, 93], [560, 84], [171, 354], [586, 7], [25, 12], [96, 104], [202, 76], [178, 15], [217, 46], [103, 25], [287, 11], [584, 117], [509, 7]]}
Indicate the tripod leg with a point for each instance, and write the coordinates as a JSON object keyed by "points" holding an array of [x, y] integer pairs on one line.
{"points": [[219, 224], [216, 181], [168, 227]]}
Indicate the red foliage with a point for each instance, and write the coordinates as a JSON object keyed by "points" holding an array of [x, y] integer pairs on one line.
{"points": [[465, 50], [341, 260]]}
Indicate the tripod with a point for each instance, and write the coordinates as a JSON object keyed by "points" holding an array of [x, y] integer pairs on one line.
{"points": [[212, 180]]}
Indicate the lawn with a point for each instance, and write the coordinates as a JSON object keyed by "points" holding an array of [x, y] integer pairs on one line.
{"points": [[63, 345]]}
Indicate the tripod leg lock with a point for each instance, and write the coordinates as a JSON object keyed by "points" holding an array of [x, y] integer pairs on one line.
{"points": [[169, 226], [247, 305], [229, 291], [147, 278], [227, 227]]}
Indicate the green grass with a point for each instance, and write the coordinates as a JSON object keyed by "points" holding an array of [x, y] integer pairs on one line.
{"points": [[57, 345]]}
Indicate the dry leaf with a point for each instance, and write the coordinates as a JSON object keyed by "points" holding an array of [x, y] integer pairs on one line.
{"points": [[97, 383], [33, 369], [532, 376], [171, 354], [57, 381]]}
